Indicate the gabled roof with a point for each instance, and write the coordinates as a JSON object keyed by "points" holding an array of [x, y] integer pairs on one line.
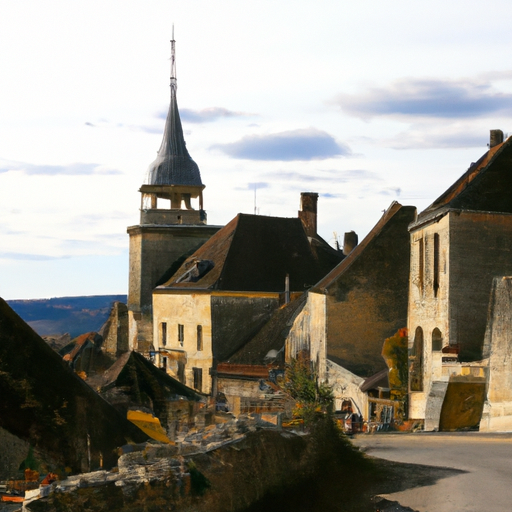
{"points": [[485, 186], [254, 253], [271, 337], [395, 210], [135, 373]]}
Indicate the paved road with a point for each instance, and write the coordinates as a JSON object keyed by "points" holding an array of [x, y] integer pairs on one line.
{"points": [[486, 459]]}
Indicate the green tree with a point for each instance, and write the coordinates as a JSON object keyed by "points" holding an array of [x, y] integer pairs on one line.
{"points": [[313, 399]]}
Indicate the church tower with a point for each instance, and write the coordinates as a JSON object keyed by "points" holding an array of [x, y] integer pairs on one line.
{"points": [[169, 225]]}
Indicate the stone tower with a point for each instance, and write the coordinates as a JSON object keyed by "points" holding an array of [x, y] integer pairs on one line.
{"points": [[169, 226]]}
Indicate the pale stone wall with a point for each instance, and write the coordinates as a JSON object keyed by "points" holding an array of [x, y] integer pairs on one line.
{"points": [[429, 306], [153, 250], [308, 333], [346, 385], [189, 310], [480, 249], [497, 414]]}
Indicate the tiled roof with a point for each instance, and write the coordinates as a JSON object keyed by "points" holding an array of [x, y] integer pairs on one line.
{"points": [[272, 336], [485, 186], [254, 253]]}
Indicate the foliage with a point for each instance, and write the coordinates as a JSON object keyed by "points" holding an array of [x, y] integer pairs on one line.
{"points": [[394, 352], [313, 399]]}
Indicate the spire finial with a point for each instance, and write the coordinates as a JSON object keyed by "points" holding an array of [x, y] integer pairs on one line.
{"points": [[173, 61]]}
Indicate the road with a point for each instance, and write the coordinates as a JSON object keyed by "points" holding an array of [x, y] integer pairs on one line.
{"points": [[486, 459]]}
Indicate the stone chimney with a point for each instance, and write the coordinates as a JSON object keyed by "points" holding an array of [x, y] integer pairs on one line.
{"points": [[350, 241], [496, 138], [308, 212]]}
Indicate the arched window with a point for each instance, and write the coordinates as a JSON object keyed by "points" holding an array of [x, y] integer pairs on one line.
{"points": [[416, 362], [437, 340]]}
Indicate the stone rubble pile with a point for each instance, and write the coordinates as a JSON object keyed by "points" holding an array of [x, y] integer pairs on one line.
{"points": [[148, 462]]}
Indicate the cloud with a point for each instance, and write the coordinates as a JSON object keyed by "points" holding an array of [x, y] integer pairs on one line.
{"points": [[75, 169], [325, 176], [305, 144], [28, 257], [391, 191], [333, 196], [207, 115], [434, 98], [439, 136], [159, 130], [258, 184]]}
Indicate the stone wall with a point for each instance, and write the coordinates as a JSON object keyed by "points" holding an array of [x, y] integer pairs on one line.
{"points": [[189, 310], [153, 250], [497, 414], [367, 303], [308, 334], [115, 330], [480, 249]]}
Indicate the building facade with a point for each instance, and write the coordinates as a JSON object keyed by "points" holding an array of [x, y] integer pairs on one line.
{"points": [[458, 245]]}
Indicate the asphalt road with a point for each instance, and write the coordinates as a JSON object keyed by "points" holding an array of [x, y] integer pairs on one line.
{"points": [[486, 459]]}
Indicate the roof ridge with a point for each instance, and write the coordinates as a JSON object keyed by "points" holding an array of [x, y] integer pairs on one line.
{"points": [[346, 263]]}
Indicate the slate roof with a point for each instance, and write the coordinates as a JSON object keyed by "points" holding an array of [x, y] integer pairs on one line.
{"points": [[254, 253], [379, 380], [485, 186], [395, 209], [272, 336], [173, 164]]}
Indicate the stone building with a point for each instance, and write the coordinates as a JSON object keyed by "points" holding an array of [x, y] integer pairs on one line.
{"points": [[355, 307], [224, 293], [458, 245], [169, 225]]}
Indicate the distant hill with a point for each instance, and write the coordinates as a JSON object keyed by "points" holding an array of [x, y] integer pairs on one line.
{"points": [[75, 315]]}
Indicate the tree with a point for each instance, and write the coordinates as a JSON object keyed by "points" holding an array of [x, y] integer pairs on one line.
{"points": [[313, 399]]}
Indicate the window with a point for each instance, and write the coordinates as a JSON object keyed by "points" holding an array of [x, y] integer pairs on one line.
{"points": [[164, 333], [198, 378], [421, 264], [437, 340], [199, 337], [164, 363], [181, 334], [416, 362], [436, 263]]}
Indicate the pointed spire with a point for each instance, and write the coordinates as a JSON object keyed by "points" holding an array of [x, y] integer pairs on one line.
{"points": [[173, 164]]}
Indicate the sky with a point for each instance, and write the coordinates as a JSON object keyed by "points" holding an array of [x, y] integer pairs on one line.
{"points": [[363, 102]]}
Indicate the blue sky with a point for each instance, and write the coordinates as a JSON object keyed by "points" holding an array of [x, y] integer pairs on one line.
{"points": [[364, 103]]}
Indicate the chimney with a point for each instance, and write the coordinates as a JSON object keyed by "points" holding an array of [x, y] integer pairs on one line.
{"points": [[350, 241], [496, 138], [308, 211]]}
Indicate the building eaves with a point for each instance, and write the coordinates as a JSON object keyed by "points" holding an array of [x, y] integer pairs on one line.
{"points": [[379, 380]]}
